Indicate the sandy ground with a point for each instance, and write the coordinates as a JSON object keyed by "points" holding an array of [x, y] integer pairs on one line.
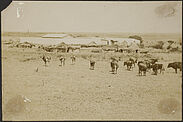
{"points": [[74, 92]]}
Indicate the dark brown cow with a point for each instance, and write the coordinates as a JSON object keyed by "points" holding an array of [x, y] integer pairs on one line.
{"points": [[133, 60], [155, 67], [128, 64], [175, 65], [142, 68]]}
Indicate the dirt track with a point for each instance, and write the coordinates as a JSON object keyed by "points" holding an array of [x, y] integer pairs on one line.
{"points": [[74, 92]]}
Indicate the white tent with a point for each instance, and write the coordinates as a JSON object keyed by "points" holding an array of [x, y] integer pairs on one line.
{"points": [[54, 36], [134, 46], [121, 40], [92, 44]]}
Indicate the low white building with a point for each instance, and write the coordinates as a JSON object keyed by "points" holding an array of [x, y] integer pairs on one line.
{"points": [[120, 41]]}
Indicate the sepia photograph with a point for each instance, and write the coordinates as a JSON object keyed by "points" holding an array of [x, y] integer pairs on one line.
{"points": [[91, 60]]}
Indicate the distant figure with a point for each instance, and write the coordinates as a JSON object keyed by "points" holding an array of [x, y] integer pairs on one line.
{"points": [[119, 59], [62, 61], [73, 59], [114, 66], [37, 69], [112, 62], [136, 51], [92, 63], [175, 65], [46, 59]]}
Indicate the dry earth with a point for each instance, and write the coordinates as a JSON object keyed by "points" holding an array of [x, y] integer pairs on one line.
{"points": [[74, 92]]}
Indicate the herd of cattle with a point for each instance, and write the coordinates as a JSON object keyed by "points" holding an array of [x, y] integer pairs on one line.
{"points": [[143, 65]]}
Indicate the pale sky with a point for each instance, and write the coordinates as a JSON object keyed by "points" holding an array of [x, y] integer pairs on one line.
{"points": [[92, 16]]}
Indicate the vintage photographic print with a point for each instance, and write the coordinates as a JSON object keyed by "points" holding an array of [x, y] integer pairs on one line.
{"points": [[91, 60]]}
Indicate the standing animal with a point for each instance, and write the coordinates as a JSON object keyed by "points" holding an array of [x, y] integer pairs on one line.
{"points": [[62, 61], [112, 62], [92, 64], [114, 66], [148, 64], [128, 64], [73, 59], [175, 65], [153, 60], [142, 68], [133, 60], [157, 66], [46, 59]]}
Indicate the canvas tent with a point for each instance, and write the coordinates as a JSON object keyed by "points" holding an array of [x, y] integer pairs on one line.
{"points": [[92, 44], [118, 41], [54, 36], [133, 46]]}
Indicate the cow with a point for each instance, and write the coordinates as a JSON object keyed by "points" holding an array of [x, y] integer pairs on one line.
{"points": [[73, 59], [148, 64], [62, 61], [46, 59], [153, 60], [142, 68], [114, 66], [92, 64], [157, 66], [133, 60], [175, 65], [128, 64], [112, 62]]}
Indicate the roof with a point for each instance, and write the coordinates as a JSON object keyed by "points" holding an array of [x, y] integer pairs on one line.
{"points": [[92, 43], [54, 36], [134, 46]]}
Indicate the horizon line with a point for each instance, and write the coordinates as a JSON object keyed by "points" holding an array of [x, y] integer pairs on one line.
{"points": [[90, 32]]}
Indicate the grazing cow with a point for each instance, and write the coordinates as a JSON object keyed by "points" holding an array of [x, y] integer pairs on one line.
{"points": [[175, 65], [133, 60], [73, 59], [62, 61], [92, 64], [46, 59], [142, 68], [128, 64]]}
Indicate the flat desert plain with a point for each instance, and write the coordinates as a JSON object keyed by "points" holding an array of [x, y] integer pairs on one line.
{"points": [[32, 91]]}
